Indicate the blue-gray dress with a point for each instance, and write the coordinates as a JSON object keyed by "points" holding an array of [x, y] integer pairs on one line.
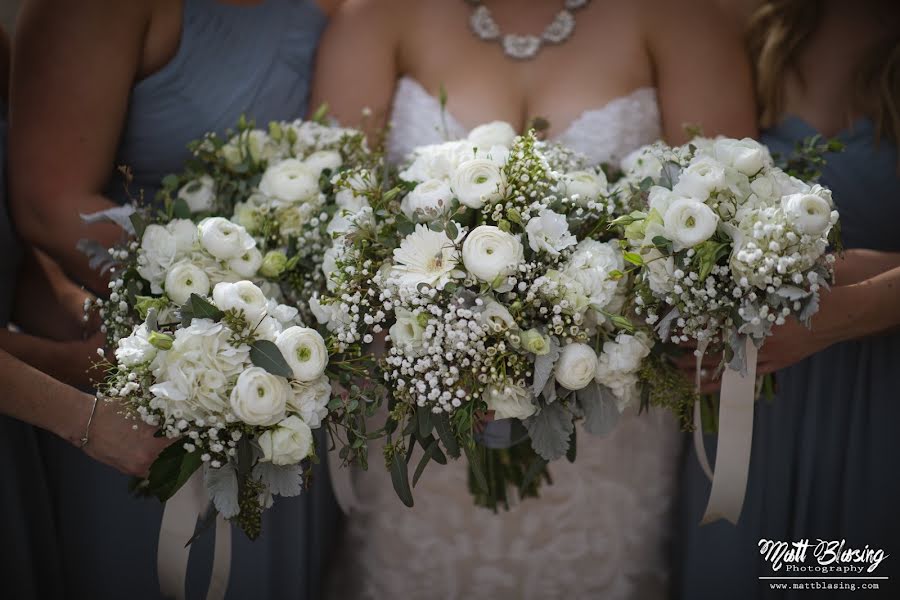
{"points": [[825, 462], [232, 60]]}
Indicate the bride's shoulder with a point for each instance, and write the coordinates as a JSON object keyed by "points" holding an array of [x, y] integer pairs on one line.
{"points": [[381, 11], [687, 17]]}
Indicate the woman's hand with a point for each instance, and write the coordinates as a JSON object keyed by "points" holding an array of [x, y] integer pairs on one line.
{"points": [[124, 444]]}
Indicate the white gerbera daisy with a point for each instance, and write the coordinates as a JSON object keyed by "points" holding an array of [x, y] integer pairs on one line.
{"points": [[425, 256]]}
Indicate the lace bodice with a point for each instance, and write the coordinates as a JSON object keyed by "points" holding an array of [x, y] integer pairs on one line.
{"points": [[602, 134], [598, 531]]}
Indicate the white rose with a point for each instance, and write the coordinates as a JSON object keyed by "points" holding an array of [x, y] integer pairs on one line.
{"points": [[549, 231], [496, 317], [478, 181], [588, 185], [590, 266], [310, 400], [304, 350], [288, 443], [199, 194], [495, 133], [747, 155], [576, 367], [323, 159], [136, 349], [247, 264], [700, 178], [242, 296], [489, 252], [407, 332], [509, 402], [809, 213], [689, 222], [224, 239], [157, 253], [260, 398], [184, 279], [428, 199], [290, 181]]}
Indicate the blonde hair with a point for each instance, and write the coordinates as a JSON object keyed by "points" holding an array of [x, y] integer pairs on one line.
{"points": [[776, 35]]}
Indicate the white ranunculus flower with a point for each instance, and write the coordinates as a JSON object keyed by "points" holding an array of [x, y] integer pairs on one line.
{"points": [[310, 400], [243, 296], [488, 252], [185, 233], [247, 215], [642, 163], [157, 254], [588, 185], [590, 266], [323, 159], [478, 181], [290, 181], [260, 398], [136, 349], [495, 133], [509, 402], [689, 222], [407, 332], [288, 443], [436, 161], [247, 264], [184, 279], [660, 199], [304, 350], [809, 213], [747, 155], [549, 231], [618, 365], [425, 256], [576, 367], [223, 239], [700, 178], [496, 317], [660, 271], [199, 194], [788, 184], [329, 266], [428, 199]]}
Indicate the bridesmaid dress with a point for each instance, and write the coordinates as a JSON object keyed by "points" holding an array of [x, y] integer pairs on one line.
{"points": [[825, 449], [232, 60]]}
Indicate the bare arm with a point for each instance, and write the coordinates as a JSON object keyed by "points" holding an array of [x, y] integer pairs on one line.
{"points": [[859, 264], [73, 67], [356, 66], [702, 70]]}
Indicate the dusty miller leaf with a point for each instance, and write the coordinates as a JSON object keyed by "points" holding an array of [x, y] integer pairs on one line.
{"points": [[601, 413], [283, 480], [98, 255], [120, 215], [222, 486], [543, 367], [550, 431]]}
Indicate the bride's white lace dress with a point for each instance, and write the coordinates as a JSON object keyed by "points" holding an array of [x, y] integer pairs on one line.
{"points": [[599, 531]]}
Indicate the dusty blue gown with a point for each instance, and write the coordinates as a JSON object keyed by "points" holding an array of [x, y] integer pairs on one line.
{"points": [[232, 60], [825, 462]]}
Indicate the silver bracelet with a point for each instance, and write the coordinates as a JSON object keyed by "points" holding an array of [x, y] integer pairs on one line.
{"points": [[87, 430]]}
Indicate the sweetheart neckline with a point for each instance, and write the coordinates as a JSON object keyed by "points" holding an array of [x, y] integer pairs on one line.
{"points": [[584, 116]]}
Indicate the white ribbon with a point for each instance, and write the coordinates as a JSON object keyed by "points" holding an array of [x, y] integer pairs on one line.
{"points": [[178, 524], [729, 481]]}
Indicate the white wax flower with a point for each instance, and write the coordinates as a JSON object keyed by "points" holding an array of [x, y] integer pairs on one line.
{"points": [[136, 348], [310, 400], [288, 443], [247, 264], [488, 252], [290, 181], [223, 239], [243, 296], [549, 231], [428, 199], [588, 185], [184, 279], [495, 133], [576, 367], [199, 194], [809, 213], [259, 397], [478, 181], [425, 256], [689, 222], [323, 159], [304, 350], [746, 155], [407, 332], [509, 402]]}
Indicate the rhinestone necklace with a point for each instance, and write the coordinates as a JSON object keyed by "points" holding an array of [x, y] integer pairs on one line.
{"points": [[524, 47]]}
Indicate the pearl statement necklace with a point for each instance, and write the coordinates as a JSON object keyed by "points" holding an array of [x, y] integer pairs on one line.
{"points": [[524, 47]]}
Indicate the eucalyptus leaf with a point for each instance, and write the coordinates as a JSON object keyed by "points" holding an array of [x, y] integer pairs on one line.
{"points": [[400, 479], [426, 458], [476, 465], [448, 438], [265, 354], [180, 209], [201, 308], [171, 469]]}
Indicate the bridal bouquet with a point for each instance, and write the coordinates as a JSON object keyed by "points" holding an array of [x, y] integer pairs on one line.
{"points": [[490, 270], [728, 244]]}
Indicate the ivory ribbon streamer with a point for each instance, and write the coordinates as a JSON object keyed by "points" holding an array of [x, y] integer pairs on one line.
{"points": [[178, 524], [342, 483], [729, 481]]}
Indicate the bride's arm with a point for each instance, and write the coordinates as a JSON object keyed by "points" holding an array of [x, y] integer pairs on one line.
{"points": [[356, 64], [702, 70]]}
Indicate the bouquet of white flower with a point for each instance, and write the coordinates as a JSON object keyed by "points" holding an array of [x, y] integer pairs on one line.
{"points": [[488, 271], [239, 382]]}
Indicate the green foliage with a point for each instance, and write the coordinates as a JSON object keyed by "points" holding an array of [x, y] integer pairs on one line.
{"points": [[265, 354], [171, 470]]}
